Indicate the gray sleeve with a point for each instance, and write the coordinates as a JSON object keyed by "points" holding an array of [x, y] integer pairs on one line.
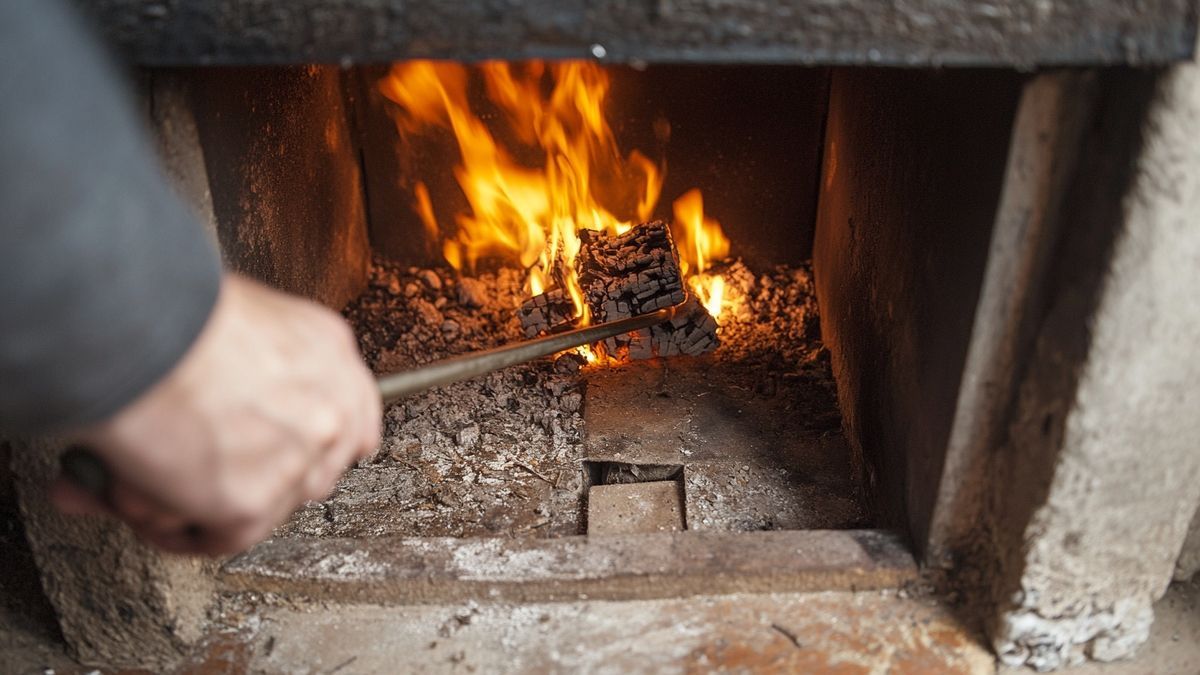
{"points": [[105, 278]]}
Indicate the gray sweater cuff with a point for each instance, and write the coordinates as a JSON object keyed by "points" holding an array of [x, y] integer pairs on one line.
{"points": [[105, 278]]}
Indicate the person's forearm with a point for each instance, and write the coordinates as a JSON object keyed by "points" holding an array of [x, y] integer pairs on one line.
{"points": [[105, 279]]}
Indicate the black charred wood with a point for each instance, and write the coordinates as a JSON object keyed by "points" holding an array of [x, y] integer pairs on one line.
{"points": [[628, 275], [546, 312]]}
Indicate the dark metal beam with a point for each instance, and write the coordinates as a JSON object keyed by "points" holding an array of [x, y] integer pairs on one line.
{"points": [[1020, 33]]}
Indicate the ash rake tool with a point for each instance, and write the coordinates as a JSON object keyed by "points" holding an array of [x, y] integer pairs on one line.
{"points": [[458, 368]]}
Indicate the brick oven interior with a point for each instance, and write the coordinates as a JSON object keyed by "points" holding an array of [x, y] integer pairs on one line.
{"points": [[924, 210], [305, 182], [859, 205], [751, 435]]}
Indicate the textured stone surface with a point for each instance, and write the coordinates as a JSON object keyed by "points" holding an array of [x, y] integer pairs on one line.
{"points": [[834, 631], [1041, 160], [919, 32], [668, 564], [118, 601], [1173, 647], [1101, 462], [868, 632], [635, 508]]}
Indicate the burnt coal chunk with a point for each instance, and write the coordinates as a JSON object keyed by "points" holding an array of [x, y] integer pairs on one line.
{"points": [[627, 275]]}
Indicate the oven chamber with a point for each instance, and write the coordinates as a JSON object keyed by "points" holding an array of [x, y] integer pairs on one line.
{"points": [[994, 219]]}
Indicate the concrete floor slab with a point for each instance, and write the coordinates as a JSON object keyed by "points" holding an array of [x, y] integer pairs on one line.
{"points": [[824, 632], [835, 632]]}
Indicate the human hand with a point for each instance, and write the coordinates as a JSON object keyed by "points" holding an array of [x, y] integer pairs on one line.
{"points": [[263, 413]]}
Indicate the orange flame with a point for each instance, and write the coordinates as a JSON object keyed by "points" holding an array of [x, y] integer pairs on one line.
{"points": [[700, 241], [532, 211], [532, 214]]}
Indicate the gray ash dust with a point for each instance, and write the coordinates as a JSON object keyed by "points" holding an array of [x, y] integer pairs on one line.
{"points": [[496, 455], [773, 336], [500, 455]]}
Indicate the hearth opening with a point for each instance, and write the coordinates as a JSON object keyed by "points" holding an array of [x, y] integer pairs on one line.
{"points": [[825, 231]]}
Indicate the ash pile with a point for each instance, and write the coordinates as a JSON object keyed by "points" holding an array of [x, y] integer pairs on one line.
{"points": [[500, 455], [494, 456]]}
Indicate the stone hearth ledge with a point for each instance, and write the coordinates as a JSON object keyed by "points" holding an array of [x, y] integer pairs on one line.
{"points": [[659, 565]]}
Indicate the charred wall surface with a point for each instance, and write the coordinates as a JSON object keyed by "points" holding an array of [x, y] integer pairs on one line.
{"points": [[913, 167], [286, 185]]}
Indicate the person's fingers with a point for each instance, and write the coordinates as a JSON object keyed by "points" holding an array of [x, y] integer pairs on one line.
{"points": [[144, 513], [266, 411], [165, 521], [324, 427], [324, 474], [182, 540], [306, 416], [174, 542], [228, 541], [132, 505], [372, 430], [358, 439], [160, 529], [237, 536], [73, 500], [146, 517]]}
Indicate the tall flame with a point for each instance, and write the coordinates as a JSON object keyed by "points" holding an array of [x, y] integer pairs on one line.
{"points": [[700, 241], [532, 210]]}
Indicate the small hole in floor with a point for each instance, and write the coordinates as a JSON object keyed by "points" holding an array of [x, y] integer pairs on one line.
{"points": [[614, 473]]}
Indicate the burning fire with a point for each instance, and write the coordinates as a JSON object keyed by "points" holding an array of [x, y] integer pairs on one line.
{"points": [[700, 241], [531, 210]]}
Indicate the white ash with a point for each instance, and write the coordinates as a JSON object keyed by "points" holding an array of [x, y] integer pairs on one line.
{"points": [[755, 423], [497, 455]]}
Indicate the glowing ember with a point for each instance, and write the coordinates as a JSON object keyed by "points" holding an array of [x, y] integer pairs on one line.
{"points": [[533, 214]]}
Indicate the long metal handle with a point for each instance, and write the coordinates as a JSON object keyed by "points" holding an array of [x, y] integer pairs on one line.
{"points": [[455, 369]]}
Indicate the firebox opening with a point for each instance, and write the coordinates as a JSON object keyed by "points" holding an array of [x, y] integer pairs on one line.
{"points": [[871, 191], [621, 473], [627, 498]]}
